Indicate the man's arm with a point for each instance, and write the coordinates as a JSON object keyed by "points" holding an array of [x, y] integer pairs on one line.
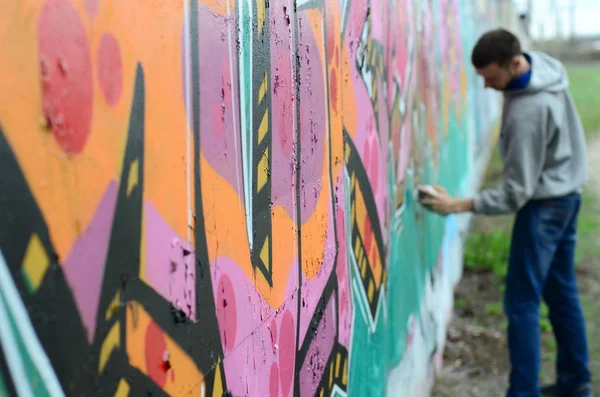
{"points": [[441, 202], [463, 205], [525, 153], [524, 157]]}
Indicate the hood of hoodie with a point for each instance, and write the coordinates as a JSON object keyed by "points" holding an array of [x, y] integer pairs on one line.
{"points": [[547, 74]]}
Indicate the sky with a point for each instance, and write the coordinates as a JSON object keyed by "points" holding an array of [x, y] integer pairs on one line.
{"points": [[587, 17]]}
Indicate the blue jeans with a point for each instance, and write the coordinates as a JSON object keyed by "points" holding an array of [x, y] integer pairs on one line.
{"points": [[541, 264]]}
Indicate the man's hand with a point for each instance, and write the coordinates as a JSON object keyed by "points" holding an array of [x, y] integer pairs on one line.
{"points": [[442, 203]]}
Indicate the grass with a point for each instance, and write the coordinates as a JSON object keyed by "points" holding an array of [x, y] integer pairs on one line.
{"points": [[589, 225], [487, 247], [584, 86], [591, 309], [488, 252]]}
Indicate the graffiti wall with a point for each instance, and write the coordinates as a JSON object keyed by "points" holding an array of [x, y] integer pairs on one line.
{"points": [[217, 197]]}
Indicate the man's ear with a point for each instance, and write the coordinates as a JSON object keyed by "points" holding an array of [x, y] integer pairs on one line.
{"points": [[516, 62]]}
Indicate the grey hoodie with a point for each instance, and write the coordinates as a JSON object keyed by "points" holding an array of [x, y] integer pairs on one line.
{"points": [[542, 142]]}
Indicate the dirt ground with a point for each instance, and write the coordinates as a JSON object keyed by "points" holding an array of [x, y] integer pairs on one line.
{"points": [[476, 357]]}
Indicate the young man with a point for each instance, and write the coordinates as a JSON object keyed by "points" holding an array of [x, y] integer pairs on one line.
{"points": [[543, 152]]}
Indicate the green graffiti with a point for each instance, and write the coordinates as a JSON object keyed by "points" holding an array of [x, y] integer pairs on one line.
{"points": [[22, 360], [417, 239], [3, 388]]}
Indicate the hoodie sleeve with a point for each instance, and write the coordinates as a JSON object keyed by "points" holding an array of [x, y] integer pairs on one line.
{"points": [[524, 157]]}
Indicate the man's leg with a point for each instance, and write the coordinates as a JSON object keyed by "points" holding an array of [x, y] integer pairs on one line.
{"points": [[561, 295], [539, 228], [522, 298]]}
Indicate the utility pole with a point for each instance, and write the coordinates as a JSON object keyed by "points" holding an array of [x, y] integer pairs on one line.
{"points": [[572, 19], [529, 12], [558, 15], [553, 8]]}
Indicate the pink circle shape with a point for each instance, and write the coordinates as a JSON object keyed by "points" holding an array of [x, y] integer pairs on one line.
{"points": [[155, 346], [333, 88], [110, 69], [274, 381], [287, 342], [226, 312], [66, 75], [273, 331], [343, 301]]}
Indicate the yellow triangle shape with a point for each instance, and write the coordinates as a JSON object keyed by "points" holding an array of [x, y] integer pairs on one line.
{"points": [[261, 171], [264, 252], [122, 389], [262, 91], [218, 386], [132, 178], [263, 127], [260, 15]]}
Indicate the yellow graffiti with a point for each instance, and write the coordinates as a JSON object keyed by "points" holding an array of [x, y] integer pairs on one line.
{"points": [[218, 386], [132, 179], [122, 389], [113, 306], [111, 343], [35, 263]]}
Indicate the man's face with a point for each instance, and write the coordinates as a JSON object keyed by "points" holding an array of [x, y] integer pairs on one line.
{"points": [[496, 76]]}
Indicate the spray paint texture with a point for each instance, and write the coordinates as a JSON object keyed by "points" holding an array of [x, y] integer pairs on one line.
{"points": [[204, 197]]}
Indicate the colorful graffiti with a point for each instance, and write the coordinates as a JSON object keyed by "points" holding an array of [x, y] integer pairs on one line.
{"points": [[216, 197]]}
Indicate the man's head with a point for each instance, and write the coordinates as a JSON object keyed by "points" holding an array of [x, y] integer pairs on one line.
{"points": [[498, 58]]}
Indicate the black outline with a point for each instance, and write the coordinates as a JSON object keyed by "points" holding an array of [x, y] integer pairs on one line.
{"points": [[6, 375], [330, 291], [356, 167], [262, 225], [52, 307], [298, 148]]}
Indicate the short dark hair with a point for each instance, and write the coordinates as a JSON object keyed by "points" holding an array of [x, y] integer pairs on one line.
{"points": [[496, 46]]}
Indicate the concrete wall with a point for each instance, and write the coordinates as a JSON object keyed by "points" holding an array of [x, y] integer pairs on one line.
{"points": [[201, 197]]}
